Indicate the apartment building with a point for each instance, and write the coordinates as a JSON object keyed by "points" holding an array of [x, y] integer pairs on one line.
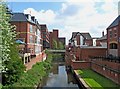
{"points": [[113, 38], [45, 36], [54, 36], [28, 31]]}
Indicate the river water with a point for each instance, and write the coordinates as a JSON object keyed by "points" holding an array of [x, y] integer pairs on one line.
{"points": [[59, 78]]}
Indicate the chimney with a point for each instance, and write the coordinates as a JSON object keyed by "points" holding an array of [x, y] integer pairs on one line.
{"points": [[102, 33]]}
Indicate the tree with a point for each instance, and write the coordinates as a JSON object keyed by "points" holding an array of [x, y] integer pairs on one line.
{"points": [[12, 66], [61, 46], [55, 44]]}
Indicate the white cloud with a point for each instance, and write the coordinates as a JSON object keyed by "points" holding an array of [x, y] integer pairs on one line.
{"points": [[79, 16], [42, 16]]}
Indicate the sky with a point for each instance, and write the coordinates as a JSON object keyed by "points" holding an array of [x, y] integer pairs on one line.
{"points": [[92, 16]]}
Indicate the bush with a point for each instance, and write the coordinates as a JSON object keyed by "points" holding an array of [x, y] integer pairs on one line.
{"points": [[34, 76]]}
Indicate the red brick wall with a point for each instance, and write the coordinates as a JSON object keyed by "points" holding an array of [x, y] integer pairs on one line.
{"points": [[78, 39], [113, 38], [98, 43], [98, 66], [85, 53], [80, 65], [23, 31], [53, 36], [89, 42], [103, 67]]}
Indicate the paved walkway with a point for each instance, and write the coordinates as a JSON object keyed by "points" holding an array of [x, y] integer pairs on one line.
{"points": [[33, 61]]}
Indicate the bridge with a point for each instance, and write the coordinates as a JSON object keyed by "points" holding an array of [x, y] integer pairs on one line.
{"points": [[56, 51]]}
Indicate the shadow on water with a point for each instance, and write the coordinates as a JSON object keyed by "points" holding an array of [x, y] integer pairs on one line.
{"points": [[59, 78]]}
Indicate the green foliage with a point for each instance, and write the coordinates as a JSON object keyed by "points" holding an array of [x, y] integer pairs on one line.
{"points": [[55, 44], [0, 85], [101, 80], [12, 66], [34, 76], [46, 51], [61, 46]]}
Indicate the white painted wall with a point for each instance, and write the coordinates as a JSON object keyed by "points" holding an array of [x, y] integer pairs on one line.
{"points": [[81, 40], [94, 42]]}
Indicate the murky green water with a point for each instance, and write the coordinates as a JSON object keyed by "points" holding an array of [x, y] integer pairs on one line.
{"points": [[59, 78]]}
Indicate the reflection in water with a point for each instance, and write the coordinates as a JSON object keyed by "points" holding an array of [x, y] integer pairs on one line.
{"points": [[59, 77]]}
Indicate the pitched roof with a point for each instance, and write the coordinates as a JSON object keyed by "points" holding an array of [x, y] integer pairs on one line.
{"points": [[21, 17], [103, 38], [74, 34], [18, 17], [87, 35], [115, 22]]}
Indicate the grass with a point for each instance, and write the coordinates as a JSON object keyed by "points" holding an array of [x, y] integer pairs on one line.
{"points": [[92, 83], [80, 71], [94, 79]]}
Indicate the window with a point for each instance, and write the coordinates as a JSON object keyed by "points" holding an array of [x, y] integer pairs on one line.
{"points": [[44, 37], [110, 34], [115, 28], [31, 39], [113, 46], [31, 29], [115, 33], [38, 32]]}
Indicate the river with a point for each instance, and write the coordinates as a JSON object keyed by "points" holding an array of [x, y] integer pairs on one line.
{"points": [[59, 77]]}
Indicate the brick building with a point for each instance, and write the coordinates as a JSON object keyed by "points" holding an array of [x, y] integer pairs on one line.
{"points": [[81, 39], [45, 36], [54, 36], [28, 31], [102, 41], [113, 38]]}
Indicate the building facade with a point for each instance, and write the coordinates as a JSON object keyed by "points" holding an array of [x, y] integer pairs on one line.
{"points": [[28, 31], [113, 38], [81, 39], [45, 36], [102, 41], [54, 36]]}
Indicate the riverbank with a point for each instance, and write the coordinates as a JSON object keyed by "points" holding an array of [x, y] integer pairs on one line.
{"points": [[31, 78], [59, 77], [92, 80]]}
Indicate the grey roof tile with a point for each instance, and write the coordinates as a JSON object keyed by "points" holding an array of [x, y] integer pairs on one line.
{"points": [[115, 22], [85, 35], [18, 17], [103, 38]]}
